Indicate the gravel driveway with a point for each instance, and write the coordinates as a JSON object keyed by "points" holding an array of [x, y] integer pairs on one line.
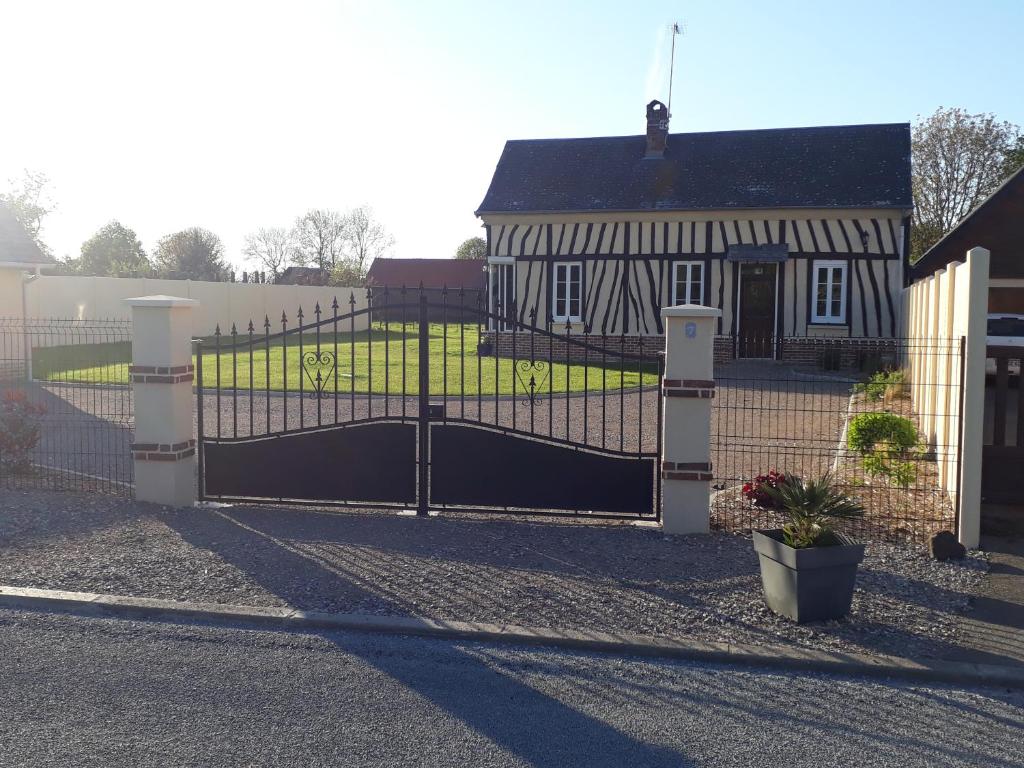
{"points": [[468, 567]]}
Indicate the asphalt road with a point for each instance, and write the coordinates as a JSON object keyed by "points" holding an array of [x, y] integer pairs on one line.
{"points": [[96, 692]]}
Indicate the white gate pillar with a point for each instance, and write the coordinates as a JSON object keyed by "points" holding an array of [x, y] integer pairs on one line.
{"points": [[687, 390], [161, 375]]}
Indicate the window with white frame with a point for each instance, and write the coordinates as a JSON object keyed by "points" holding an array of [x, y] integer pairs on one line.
{"points": [[829, 292], [567, 298], [688, 282], [502, 293]]}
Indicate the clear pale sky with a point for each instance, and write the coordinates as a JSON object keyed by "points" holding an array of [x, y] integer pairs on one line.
{"points": [[236, 115]]}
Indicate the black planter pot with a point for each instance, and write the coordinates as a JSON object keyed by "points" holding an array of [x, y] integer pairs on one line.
{"points": [[813, 584], [484, 348]]}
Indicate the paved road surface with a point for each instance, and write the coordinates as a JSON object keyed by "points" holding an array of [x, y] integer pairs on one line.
{"points": [[92, 692]]}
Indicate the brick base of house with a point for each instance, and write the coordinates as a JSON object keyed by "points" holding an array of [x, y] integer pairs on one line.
{"points": [[835, 354], [823, 352]]}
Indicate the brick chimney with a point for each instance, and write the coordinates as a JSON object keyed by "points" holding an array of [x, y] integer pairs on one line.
{"points": [[657, 129]]}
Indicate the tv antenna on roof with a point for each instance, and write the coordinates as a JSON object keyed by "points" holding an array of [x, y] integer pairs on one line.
{"points": [[675, 29]]}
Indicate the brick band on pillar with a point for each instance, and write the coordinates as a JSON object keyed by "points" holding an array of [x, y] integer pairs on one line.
{"points": [[161, 374], [688, 388], [686, 470], [163, 451]]}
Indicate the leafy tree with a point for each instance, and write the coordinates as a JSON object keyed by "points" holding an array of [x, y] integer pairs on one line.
{"points": [[1014, 158], [318, 239], [270, 248], [959, 159], [30, 202], [364, 239], [345, 273], [473, 248], [192, 254], [114, 251]]}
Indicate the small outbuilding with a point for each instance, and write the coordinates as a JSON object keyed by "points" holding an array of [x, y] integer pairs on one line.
{"points": [[455, 282]]}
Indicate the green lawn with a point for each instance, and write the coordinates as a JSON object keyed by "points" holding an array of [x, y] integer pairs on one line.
{"points": [[372, 363]]}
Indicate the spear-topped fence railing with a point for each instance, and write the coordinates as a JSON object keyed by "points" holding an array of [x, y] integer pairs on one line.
{"points": [[434, 361]]}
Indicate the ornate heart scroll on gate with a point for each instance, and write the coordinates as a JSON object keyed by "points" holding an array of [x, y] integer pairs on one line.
{"points": [[318, 368], [533, 369]]}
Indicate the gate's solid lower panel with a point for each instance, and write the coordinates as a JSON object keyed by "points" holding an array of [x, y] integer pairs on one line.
{"points": [[476, 466], [373, 462]]}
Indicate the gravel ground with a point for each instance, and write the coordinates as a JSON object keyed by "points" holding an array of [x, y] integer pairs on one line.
{"points": [[95, 692], [473, 568]]}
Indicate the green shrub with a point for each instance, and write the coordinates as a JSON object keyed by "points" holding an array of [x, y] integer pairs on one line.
{"points": [[883, 383], [812, 506], [869, 429], [886, 442]]}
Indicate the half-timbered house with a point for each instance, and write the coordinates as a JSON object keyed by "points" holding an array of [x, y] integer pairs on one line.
{"points": [[795, 233]]}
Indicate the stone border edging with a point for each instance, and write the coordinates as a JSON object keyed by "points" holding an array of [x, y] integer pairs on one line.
{"points": [[776, 657]]}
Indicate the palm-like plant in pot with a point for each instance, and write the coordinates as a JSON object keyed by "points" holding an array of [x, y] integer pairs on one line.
{"points": [[808, 569]]}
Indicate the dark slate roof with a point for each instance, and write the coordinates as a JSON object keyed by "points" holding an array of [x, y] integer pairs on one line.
{"points": [[996, 224], [431, 273], [848, 166], [15, 244]]}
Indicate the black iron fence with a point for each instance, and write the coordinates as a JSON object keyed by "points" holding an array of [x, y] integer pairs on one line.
{"points": [[849, 410], [66, 418], [844, 407], [416, 380]]}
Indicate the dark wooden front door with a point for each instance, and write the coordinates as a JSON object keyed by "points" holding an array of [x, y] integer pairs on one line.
{"points": [[757, 310]]}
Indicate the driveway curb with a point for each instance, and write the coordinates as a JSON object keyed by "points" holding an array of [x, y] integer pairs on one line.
{"points": [[624, 643]]}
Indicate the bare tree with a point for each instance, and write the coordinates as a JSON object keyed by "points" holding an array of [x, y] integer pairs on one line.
{"points": [[364, 239], [270, 248], [30, 202], [959, 159], [318, 236]]}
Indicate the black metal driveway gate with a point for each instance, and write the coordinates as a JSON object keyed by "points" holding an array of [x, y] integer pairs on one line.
{"points": [[416, 411]]}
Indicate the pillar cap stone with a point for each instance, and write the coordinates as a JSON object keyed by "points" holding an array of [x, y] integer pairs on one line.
{"points": [[160, 301], [690, 310]]}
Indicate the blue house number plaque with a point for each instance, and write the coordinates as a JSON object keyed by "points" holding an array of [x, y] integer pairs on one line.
{"points": [[691, 330]]}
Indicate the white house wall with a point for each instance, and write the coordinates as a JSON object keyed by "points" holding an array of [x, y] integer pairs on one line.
{"points": [[629, 260]]}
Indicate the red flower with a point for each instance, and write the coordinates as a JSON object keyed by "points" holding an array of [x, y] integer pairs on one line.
{"points": [[757, 491]]}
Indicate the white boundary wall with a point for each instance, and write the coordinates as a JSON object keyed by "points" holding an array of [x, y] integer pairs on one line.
{"points": [[936, 312], [103, 298]]}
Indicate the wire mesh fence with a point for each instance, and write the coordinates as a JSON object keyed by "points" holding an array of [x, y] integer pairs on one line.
{"points": [[860, 419], [66, 414]]}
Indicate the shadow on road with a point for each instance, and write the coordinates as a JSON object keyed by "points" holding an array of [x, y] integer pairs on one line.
{"points": [[548, 733]]}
